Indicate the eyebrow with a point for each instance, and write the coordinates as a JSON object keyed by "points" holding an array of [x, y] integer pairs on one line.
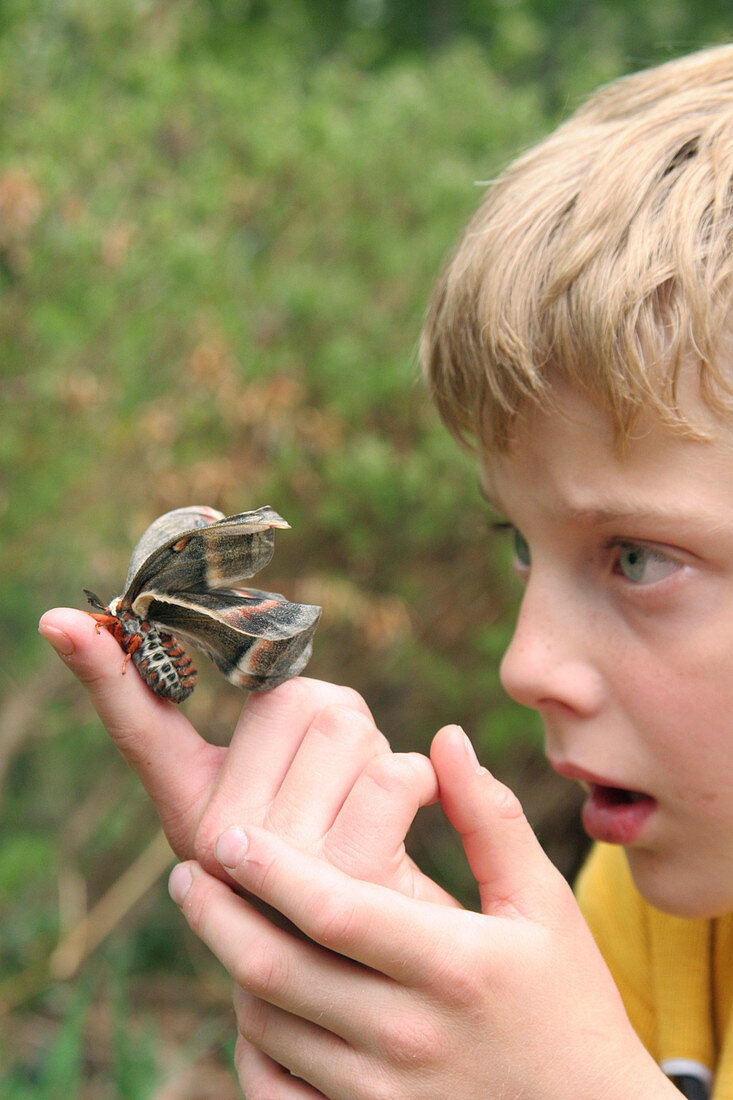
{"points": [[614, 513], [623, 511]]}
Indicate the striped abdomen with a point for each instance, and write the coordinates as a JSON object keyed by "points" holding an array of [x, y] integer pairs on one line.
{"points": [[159, 658]]}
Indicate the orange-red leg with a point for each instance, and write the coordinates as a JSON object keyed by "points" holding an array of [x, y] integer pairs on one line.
{"points": [[128, 642], [133, 643]]}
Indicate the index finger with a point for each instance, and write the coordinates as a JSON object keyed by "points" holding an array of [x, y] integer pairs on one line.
{"points": [[176, 765], [398, 936]]}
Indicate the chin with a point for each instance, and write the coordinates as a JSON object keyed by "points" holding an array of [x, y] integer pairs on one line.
{"points": [[677, 889]]}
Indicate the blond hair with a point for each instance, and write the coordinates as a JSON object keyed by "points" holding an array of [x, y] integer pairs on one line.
{"points": [[603, 256]]}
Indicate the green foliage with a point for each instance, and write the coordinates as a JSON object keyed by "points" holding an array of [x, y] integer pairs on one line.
{"points": [[134, 1064], [219, 225], [60, 1070], [63, 1068]]}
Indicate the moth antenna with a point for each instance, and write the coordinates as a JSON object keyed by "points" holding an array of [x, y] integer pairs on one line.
{"points": [[94, 600]]}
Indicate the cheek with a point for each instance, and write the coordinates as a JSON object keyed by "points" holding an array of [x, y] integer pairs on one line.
{"points": [[681, 706]]}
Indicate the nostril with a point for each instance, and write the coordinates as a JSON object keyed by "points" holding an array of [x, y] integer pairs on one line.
{"points": [[533, 677]]}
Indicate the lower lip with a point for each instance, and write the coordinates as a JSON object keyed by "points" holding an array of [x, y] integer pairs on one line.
{"points": [[607, 818]]}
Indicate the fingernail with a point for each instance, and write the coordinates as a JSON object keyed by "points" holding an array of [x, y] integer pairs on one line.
{"points": [[471, 753], [60, 641], [179, 882], [231, 847]]}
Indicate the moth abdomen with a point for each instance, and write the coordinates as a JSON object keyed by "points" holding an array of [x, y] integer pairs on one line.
{"points": [[163, 663], [159, 657]]}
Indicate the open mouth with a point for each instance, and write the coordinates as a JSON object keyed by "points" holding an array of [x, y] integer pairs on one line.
{"points": [[616, 796], [615, 814]]}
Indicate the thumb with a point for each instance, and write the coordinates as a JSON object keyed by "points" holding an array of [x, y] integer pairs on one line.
{"points": [[511, 869]]}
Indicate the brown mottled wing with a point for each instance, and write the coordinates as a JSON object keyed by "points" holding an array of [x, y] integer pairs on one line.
{"points": [[167, 527], [202, 557], [257, 639]]}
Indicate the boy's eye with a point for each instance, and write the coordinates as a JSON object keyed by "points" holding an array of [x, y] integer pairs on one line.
{"points": [[521, 548], [643, 564]]}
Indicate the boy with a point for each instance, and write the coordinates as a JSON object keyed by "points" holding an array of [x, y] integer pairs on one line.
{"points": [[579, 337]]}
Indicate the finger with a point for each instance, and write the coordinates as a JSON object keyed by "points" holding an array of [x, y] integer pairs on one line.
{"points": [[267, 738], [269, 962], [507, 861], [371, 924], [338, 744], [302, 1050], [174, 763], [259, 1075], [387, 795]]}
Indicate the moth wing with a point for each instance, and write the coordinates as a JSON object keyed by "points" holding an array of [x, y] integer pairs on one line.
{"points": [[169, 526], [205, 556], [257, 639]]}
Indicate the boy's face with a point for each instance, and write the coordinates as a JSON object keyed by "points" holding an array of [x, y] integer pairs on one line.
{"points": [[624, 640]]}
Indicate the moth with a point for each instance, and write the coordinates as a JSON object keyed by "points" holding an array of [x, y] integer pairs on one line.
{"points": [[182, 586]]}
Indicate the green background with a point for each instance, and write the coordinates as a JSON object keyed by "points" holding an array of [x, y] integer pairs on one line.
{"points": [[219, 226]]}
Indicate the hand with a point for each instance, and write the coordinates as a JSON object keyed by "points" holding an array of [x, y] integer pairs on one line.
{"points": [[305, 760], [401, 998]]}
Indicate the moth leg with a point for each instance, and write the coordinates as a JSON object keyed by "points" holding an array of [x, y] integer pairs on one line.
{"points": [[129, 642], [102, 620], [132, 643]]}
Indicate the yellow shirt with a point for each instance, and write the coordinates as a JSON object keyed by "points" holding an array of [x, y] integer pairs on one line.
{"points": [[675, 975]]}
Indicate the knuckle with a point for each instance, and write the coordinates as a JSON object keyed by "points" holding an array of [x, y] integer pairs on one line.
{"points": [[459, 979], [410, 1041], [253, 1076], [508, 806], [461, 989], [338, 919], [392, 772], [301, 692], [339, 722], [385, 772], [253, 1022], [349, 697], [264, 973]]}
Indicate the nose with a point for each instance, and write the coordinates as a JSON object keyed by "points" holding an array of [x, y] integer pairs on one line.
{"points": [[551, 663]]}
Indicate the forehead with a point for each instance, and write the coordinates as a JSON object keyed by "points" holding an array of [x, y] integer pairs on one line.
{"points": [[570, 456]]}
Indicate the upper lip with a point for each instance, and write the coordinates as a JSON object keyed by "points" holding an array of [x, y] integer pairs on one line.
{"points": [[572, 771]]}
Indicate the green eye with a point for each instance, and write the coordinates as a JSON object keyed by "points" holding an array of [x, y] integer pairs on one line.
{"points": [[643, 564], [521, 549]]}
